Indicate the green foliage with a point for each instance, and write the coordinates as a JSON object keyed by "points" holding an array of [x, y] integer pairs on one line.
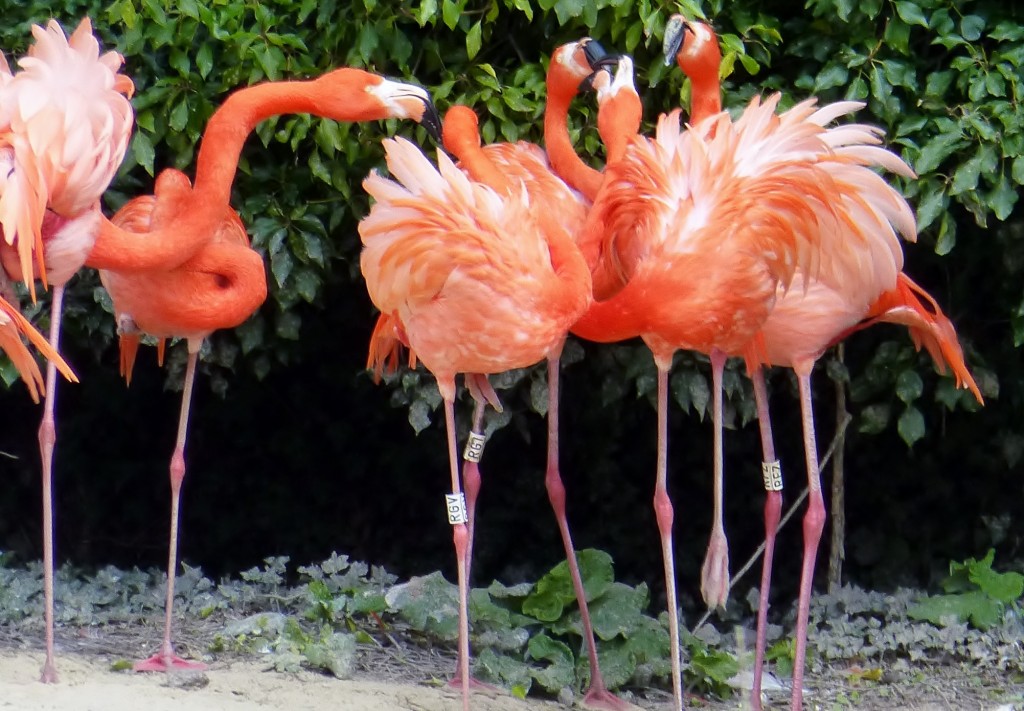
{"points": [[975, 593], [710, 669], [532, 634]]}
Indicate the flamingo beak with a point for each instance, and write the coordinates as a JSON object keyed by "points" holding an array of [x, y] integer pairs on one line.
{"points": [[431, 120], [675, 31]]}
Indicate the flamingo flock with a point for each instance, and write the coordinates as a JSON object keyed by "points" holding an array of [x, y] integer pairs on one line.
{"points": [[770, 236]]}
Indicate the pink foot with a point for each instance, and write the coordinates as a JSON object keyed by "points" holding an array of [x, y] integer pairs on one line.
{"points": [[714, 579], [49, 674], [605, 701], [167, 662]]}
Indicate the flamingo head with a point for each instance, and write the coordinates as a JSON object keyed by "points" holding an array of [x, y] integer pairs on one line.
{"points": [[693, 45]]}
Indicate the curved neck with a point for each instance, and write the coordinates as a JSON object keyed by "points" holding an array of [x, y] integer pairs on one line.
{"points": [[231, 124], [619, 120], [564, 160], [462, 140]]}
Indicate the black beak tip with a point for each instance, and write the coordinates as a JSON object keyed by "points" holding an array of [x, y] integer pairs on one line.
{"points": [[675, 30], [594, 52], [431, 120]]}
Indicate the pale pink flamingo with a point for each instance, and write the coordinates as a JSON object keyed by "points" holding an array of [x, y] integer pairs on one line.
{"points": [[810, 316], [65, 122], [475, 277]]}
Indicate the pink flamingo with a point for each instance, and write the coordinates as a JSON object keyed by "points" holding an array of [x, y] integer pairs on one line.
{"points": [[65, 122], [179, 264], [809, 317], [475, 277]]}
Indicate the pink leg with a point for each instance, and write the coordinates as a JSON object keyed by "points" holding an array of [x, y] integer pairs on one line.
{"points": [[47, 442], [664, 514], [166, 659], [714, 574], [772, 511], [814, 522], [472, 482], [597, 695], [460, 537]]}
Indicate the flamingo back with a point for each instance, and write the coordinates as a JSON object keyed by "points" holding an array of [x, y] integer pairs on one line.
{"points": [[468, 271]]}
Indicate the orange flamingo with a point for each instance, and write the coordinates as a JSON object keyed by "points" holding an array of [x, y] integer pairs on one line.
{"points": [[65, 121], [703, 226], [527, 165], [477, 278], [200, 274], [806, 320]]}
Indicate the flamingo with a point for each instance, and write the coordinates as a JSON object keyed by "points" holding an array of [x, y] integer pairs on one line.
{"points": [[702, 226], [570, 65], [65, 122], [178, 264], [808, 318], [477, 278]]}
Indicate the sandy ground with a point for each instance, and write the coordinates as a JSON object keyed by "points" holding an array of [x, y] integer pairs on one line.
{"points": [[88, 684]]}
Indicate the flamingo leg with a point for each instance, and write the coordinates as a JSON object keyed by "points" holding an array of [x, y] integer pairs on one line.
{"points": [[664, 513], [166, 659], [471, 481], [714, 580], [597, 695], [814, 522], [47, 442], [772, 512], [460, 537]]}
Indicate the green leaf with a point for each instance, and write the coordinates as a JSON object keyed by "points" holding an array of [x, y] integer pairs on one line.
{"points": [[204, 59], [180, 62], [143, 151], [559, 673], [909, 386], [568, 9], [833, 75], [179, 116], [428, 8], [450, 12], [1003, 198], [971, 27], [947, 235], [911, 425], [429, 604], [1004, 587], [936, 150], [930, 206], [473, 40], [555, 590], [910, 12], [874, 419], [974, 607]]}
